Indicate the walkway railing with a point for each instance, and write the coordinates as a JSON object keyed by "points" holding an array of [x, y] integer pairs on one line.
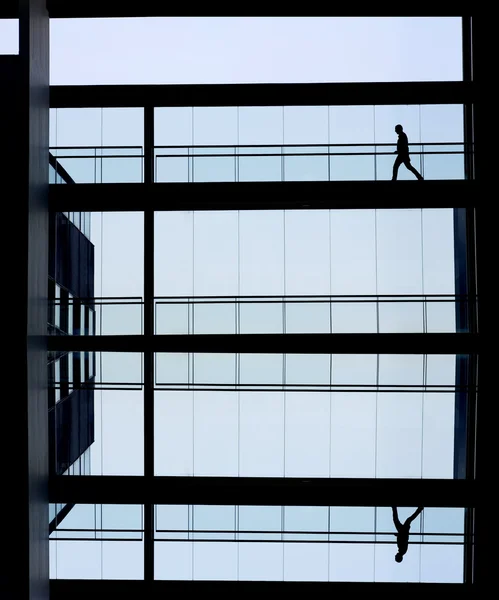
{"points": [[187, 315], [243, 163]]}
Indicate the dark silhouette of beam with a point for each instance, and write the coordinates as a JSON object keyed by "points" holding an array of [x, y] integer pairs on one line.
{"points": [[263, 94], [277, 195], [76, 589], [150, 8], [290, 343], [264, 491]]}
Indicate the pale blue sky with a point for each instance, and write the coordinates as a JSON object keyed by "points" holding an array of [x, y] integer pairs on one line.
{"points": [[250, 49]]}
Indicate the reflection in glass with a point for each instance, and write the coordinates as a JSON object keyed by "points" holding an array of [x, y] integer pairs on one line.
{"points": [[307, 543]]}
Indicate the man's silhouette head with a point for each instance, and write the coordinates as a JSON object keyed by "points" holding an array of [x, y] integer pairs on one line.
{"points": [[399, 557], [399, 128]]}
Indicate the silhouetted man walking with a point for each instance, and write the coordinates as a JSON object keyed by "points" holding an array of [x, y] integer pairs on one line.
{"points": [[403, 531], [402, 153]]}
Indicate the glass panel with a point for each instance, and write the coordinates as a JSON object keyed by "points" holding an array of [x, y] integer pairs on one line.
{"points": [[443, 162], [118, 448], [307, 252], [254, 521], [348, 163], [215, 125], [9, 36], [215, 561], [354, 317], [401, 369], [353, 254], [173, 126], [399, 435], [214, 518], [122, 560], [307, 419], [261, 317], [308, 369], [306, 168], [172, 521], [121, 169], [352, 523], [438, 435], [215, 369], [211, 318], [355, 369], [261, 438], [312, 521], [308, 317], [351, 125], [75, 560], [353, 434], [172, 368], [173, 560], [261, 369], [401, 317], [214, 169], [122, 516], [174, 433], [82, 169], [261, 253], [119, 254], [305, 124], [441, 317], [119, 368], [171, 169], [215, 253], [261, 125], [79, 127], [352, 562], [260, 561], [172, 318], [260, 168], [119, 319], [173, 253], [306, 562], [123, 126], [215, 434], [399, 251], [438, 252], [449, 559]]}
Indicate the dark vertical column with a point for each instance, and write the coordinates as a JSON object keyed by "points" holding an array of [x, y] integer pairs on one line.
{"points": [[486, 251], [466, 255], [461, 278], [468, 108], [148, 332], [25, 137]]}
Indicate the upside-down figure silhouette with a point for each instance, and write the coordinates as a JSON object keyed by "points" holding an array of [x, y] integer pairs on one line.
{"points": [[403, 531]]}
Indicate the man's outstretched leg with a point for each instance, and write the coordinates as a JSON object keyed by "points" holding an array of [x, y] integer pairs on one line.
{"points": [[396, 521], [414, 515], [413, 170]]}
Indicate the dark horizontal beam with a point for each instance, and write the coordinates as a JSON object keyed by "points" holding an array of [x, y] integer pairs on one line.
{"points": [[83, 589], [152, 8], [262, 491], [263, 94], [65, 9], [309, 195], [290, 343]]}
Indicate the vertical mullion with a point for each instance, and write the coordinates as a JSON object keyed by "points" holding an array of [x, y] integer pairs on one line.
{"points": [[148, 353]]}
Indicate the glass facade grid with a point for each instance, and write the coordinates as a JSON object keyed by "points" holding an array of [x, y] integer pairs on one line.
{"points": [[254, 405]]}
